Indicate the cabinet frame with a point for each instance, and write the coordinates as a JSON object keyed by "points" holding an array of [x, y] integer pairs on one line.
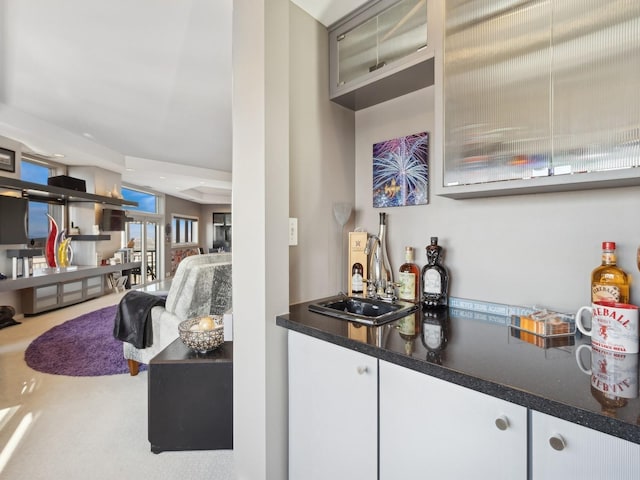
{"points": [[402, 76], [67, 292], [623, 177]]}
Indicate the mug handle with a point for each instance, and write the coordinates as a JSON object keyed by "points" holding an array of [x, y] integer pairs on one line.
{"points": [[579, 320], [579, 359]]}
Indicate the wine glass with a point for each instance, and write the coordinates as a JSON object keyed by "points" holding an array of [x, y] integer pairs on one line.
{"points": [[342, 213]]}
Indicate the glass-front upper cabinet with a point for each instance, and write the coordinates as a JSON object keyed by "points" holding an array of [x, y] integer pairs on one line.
{"points": [[537, 91], [376, 41]]}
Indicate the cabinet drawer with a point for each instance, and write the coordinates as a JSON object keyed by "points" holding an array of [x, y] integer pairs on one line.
{"points": [[45, 302], [46, 291], [561, 449], [93, 286], [94, 281], [71, 291], [71, 286]]}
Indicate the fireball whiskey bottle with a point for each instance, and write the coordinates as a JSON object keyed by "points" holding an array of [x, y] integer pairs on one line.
{"points": [[435, 278], [609, 282], [409, 278]]}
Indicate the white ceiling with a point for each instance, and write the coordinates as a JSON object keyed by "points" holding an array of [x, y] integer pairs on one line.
{"points": [[328, 11], [142, 87]]}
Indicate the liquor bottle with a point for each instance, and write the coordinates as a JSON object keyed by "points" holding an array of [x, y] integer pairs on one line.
{"points": [[409, 329], [356, 279], [435, 277], [609, 402], [409, 278], [435, 333], [609, 282]]}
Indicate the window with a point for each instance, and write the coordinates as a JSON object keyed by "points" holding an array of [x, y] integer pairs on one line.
{"points": [[184, 230], [38, 223], [147, 202]]}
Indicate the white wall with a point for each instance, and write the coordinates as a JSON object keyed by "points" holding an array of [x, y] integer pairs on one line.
{"points": [[520, 250], [260, 248], [322, 164]]}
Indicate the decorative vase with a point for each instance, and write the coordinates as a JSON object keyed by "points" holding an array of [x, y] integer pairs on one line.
{"points": [[50, 250], [65, 253]]}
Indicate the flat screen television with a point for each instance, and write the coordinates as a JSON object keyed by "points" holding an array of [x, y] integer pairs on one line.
{"points": [[113, 220], [13, 220]]}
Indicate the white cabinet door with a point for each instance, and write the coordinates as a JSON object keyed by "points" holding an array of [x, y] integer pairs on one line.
{"points": [[566, 451], [431, 429], [333, 407]]}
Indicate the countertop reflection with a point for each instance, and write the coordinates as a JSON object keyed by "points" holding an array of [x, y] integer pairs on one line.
{"points": [[483, 352]]}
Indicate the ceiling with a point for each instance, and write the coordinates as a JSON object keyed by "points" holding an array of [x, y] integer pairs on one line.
{"points": [[140, 87]]}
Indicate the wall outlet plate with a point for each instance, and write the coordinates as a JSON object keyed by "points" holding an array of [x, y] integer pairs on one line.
{"points": [[293, 231]]}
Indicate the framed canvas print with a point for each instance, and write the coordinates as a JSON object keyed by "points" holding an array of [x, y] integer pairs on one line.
{"points": [[401, 171], [7, 160]]}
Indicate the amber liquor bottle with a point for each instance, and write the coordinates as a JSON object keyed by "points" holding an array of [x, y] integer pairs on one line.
{"points": [[409, 278], [435, 277], [609, 282]]}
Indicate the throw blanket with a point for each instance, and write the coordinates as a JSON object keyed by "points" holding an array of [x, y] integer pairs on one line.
{"points": [[133, 318]]}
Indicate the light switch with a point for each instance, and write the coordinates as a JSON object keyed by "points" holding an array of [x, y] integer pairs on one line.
{"points": [[293, 231]]}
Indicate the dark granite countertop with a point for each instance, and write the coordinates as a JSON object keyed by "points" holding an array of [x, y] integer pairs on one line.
{"points": [[482, 352]]}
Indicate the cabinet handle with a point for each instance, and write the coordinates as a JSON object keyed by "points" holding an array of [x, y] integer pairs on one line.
{"points": [[362, 370], [557, 442], [502, 423]]}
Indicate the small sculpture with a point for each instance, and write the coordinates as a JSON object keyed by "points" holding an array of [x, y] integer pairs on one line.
{"points": [[50, 250]]}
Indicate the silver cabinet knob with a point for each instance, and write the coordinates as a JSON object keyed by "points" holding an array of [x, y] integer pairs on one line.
{"points": [[362, 370], [557, 442], [502, 423]]}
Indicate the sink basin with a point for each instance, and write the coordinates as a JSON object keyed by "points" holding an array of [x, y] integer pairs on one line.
{"points": [[362, 310]]}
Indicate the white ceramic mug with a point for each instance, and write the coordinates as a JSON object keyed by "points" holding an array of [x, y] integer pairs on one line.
{"points": [[614, 326], [612, 373]]}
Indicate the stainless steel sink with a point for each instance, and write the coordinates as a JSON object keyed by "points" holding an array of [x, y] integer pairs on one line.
{"points": [[362, 310]]}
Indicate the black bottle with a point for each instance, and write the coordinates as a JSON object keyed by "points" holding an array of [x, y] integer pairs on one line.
{"points": [[435, 333], [435, 278]]}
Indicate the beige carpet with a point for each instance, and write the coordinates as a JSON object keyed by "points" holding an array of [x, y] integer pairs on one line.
{"points": [[56, 427]]}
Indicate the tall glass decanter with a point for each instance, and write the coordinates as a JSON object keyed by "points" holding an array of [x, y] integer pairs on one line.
{"points": [[380, 273]]}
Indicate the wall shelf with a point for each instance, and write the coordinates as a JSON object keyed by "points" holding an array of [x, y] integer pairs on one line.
{"points": [[51, 276], [89, 238], [52, 194]]}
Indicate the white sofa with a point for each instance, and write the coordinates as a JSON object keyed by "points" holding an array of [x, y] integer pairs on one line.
{"points": [[201, 286]]}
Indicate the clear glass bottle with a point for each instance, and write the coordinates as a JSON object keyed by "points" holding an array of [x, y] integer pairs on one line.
{"points": [[435, 277], [409, 278], [608, 281], [379, 272]]}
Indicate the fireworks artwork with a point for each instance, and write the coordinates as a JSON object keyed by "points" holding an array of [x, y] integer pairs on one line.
{"points": [[400, 171]]}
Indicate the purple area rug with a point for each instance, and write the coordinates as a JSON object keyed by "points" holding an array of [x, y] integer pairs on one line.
{"points": [[82, 347]]}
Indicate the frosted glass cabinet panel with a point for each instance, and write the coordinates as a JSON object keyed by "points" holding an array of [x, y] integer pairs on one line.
{"points": [[596, 74], [540, 89], [397, 31], [379, 52]]}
